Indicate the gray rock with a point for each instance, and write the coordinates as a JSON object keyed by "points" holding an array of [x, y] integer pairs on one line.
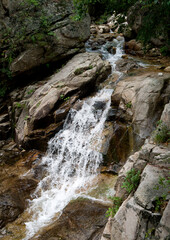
{"points": [[163, 230], [147, 192], [82, 71], [40, 33], [165, 117], [131, 221], [144, 93]]}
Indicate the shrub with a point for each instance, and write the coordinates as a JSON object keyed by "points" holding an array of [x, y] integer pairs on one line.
{"points": [[131, 180], [117, 201], [162, 133]]}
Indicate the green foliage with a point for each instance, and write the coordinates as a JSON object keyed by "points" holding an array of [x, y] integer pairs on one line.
{"points": [[108, 6], [131, 180], [30, 91], [162, 133], [163, 183], [117, 201], [149, 233], [159, 202], [155, 21], [19, 105], [164, 51], [129, 105]]}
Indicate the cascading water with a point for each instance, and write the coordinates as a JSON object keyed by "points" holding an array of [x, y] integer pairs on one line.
{"points": [[72, 161], [112, 58]]}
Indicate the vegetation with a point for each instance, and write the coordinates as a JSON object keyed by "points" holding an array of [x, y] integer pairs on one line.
{"points": [[162, 133], [155, 21], [117, 201], [160, 202], [129, 105], [131, 180]]}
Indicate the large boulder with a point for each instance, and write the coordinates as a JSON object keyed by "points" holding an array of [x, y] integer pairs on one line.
{"points": [[34, 33], [141, 100], [81, 219], [41, 108]]}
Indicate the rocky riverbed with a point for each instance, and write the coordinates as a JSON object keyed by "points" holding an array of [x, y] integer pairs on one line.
{"points": [[33, 114]]}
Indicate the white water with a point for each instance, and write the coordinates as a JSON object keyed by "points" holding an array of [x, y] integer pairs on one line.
{"points": [[112, 58], [72, 161]]}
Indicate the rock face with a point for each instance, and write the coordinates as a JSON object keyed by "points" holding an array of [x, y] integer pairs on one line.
{"points": [[77, 78], [81, 219], [34, 33], [15, 189], [140, 98], [138, 216], [144, 212]]}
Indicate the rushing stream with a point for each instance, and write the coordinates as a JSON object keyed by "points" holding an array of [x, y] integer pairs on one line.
{"points": [[73, 156]]}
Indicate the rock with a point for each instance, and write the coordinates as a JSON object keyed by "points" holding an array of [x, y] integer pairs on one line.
{"points": [[115, 144], [81, 219], [112, 50], [5, 130], [163, 229], [47, 33], [133, 45], [4, 118], [146, 192], [139, 218], [139, 98], [157, 42], [107, 231], [10, 207], [77, 75], [13, 201], [104, 28], [125, 65], [165, 117], [167, 69]]}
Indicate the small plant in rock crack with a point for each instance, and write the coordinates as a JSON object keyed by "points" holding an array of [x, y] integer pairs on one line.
{"points": [[129, 105], [160, 202], [131, 180], [162, 133], [117, 201]]}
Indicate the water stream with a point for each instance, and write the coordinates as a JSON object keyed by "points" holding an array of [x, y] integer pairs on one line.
{"points": [[73, 156]]}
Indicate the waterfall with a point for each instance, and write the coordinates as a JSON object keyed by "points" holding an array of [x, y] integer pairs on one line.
{"points": [[71, 162]]}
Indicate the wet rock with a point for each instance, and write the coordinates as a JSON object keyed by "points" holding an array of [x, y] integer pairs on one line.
{"points": [[125, 65], [13, 200], [112, 50], [133, 45], [99, 105], [77, 75], [81, 219], [116, 144]]}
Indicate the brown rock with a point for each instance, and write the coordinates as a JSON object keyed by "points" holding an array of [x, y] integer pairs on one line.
{"points": [[81, 219]]}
